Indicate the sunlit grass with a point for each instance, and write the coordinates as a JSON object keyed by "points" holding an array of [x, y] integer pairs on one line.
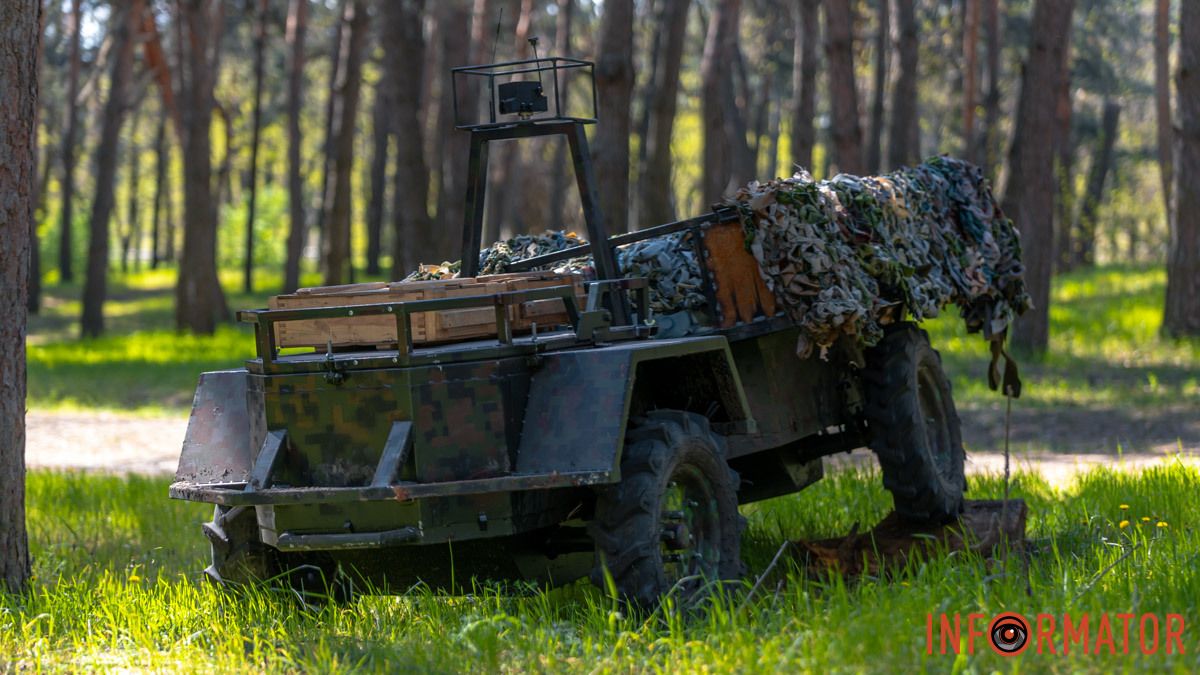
{"points": [[117, 587]]}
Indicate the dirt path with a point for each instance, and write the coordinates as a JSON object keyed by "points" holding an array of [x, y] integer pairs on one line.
{"points": [[150, 445]]}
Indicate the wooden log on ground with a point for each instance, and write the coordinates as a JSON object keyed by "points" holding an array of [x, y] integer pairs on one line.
{"points": [[986, 527]]}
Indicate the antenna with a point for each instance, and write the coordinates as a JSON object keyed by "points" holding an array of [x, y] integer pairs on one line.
{"points": [[496, 39], [533, 42]]}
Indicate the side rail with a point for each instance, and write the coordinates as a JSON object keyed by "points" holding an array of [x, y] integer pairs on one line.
{"points": [[265, 320]]}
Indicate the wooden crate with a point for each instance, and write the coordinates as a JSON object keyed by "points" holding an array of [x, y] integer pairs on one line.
{"points": [[427, 327]]}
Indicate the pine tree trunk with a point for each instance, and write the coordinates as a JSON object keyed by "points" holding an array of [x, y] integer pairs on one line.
{"points": [[1064, 173], [904, 140], [717, 78], [381, 115], [129, 247], [970, 76], [1084, 253], [656, 190], [843, 89], [20, 24], [1162, 97], [345, 113], [327, 152], [614, 88], [95, 289], [66, 270], [806, 28], [562, 169], [199, 298], [297, 29], [991, 103], [260, 38], [1182, 315], [1029, 196], [882, 47], [160, 187], [412, 229]]}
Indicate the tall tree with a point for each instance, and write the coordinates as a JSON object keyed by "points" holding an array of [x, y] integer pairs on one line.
{"points": [[1029, 195], [381, 133], [1084, 252], [65, 268], [335, 54], [806, 27], [1162, 96], [20, 29], [717, 89], [561, 167], [345, 113], [199, 299], [297, 28], [991, 102], [1182, 315], [614, 88], [260, 39], [124, 23], [130, 238], [883, 32], [1064, 169], [970, 76], [656, 194], [843, 89], [904, 138], [161, 162], [412, 233]]}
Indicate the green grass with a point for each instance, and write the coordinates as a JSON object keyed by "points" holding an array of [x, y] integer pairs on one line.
{"points": [[1105, 348], [117, 587]]}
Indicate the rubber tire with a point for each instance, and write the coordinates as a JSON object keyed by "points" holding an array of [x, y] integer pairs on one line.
{"points": [[924, 487], [238, 554], [627, 524]]}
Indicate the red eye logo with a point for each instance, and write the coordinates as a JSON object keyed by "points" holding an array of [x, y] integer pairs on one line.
{"points": [[1008, 634]]}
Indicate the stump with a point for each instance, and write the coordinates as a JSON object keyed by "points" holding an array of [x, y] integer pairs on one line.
{"points": [[987, 527]]}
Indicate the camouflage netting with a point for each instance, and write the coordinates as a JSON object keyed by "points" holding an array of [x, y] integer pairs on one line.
{"points": [[839, 253]]}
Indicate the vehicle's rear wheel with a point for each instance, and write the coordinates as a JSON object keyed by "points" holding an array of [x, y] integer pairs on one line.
{"points": [[914, 426], [673, 518]]}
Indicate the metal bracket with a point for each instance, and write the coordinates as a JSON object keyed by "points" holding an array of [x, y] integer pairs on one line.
{"points": [[395, 452], [264, 464]]}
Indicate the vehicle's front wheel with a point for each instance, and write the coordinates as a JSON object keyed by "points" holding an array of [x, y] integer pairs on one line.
{"points": [[673, 518], [914, 426]]}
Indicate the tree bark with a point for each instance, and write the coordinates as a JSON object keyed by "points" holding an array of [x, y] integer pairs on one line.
{"points": [[882, 47], [991, 102], [717, 88], [66, 270], [1162, 97], [1182, 314], [260, 38], [970, 76], [297, 29], [656, 191], [20, 29], [199, 299], [124, 23], [412, 232], [160, 188], [843, 90], [1029, 195], [614, 88], [129, 242], [381, 115], [33, 290], [327, 151], [562, 168], [1084, 253], [904, 138], [1064, 171], [806, 35], [345, 113]]}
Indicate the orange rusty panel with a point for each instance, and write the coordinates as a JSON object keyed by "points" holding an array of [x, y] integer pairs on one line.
{"points": [[740, 290]]}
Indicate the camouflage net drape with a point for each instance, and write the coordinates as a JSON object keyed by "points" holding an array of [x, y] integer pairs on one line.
{"points": [[839, 253]]}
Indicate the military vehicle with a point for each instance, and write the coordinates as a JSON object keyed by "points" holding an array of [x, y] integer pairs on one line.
{"points": [[601, 447]]}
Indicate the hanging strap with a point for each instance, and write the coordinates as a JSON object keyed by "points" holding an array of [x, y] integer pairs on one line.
{"points": [[1009, 376]]}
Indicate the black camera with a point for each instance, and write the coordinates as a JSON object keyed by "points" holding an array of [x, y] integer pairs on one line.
{"points": [[522, 98]]}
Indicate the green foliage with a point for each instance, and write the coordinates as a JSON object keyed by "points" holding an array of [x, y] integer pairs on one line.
{"points": [[116, 586]]}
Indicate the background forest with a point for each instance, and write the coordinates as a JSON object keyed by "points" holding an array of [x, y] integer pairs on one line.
{"points": [[331, 145]]}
